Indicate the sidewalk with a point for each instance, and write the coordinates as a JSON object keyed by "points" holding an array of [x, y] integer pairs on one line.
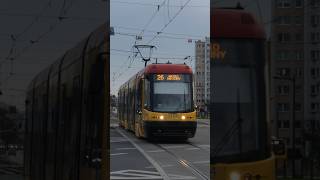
{"points": [[204, 121]]}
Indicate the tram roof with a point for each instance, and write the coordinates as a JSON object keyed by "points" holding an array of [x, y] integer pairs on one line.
{"points": [[235, 23], [168, 68]]}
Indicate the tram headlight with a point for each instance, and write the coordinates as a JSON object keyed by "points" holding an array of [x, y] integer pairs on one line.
{"points": [[183, 117], [161, 117], [235, 176]]}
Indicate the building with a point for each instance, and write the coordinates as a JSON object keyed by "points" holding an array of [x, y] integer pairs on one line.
{"points": [[202, 75], [295, 74]]}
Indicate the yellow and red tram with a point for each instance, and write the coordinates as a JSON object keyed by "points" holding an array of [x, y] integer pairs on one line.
{"points": [[158, 102], [240, 142]]}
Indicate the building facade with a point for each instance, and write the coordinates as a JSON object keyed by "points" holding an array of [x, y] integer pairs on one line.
{"points": [[295, 74], [202, 75]]}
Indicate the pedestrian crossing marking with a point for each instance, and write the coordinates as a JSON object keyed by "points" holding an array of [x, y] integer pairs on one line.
{"points": [[140, 174]]}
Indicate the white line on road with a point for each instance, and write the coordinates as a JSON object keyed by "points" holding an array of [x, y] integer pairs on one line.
{"points": [[140, 174], [125, 148], [201, 162], [117, 139], [152, 161], [135, 174], [117, 154], [163, 166], [202, 126], [204, 145], [156, 151], [173, 147], [191, 149]]}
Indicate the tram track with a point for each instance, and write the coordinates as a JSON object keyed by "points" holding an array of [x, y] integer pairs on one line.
{"points": [[184, 167], [149, 158], [199, 147], [185, 163]]}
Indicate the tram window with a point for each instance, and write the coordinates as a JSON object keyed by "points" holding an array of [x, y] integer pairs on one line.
{"points": [[147, 93], [235, 98], [140, 86], [172, 97]]}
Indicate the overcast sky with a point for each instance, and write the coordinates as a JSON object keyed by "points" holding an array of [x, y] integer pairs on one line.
{"points": [[33, 18], [128, 20], [38, 20]]}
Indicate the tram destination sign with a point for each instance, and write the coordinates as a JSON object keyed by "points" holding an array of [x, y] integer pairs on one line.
{"points": [[168, 77]]}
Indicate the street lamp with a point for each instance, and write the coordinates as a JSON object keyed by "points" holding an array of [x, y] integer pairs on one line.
{"points": [[293, 80]]}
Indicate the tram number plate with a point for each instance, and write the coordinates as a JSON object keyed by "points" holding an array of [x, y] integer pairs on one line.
{"points": [[173, 116]]}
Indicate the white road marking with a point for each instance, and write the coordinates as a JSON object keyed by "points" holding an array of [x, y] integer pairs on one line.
{"points": [[125, 148], [135, 174], [117, 154], [204, 146], [191, 149], [156, 151], [114, 125], [201, 162], [117, 139], [202, 125], [152, 161], [164, 166], [174, 147], [140, 174]]}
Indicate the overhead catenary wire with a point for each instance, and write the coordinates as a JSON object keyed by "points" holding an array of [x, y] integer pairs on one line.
{"points": [[63, 10], [162, 36], [132, 57], [47, 17], [167, 24], [17, 36], [151, 18], [154, 31], [154, 35], [155, 5]]}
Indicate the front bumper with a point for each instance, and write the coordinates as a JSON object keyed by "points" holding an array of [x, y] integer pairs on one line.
{"points": [[170, 129]]}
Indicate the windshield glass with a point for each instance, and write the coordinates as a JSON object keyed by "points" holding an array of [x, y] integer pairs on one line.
{"points": [[172, 96]]}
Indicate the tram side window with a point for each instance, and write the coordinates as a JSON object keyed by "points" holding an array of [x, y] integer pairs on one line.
{"points": [[139, 95], [146, 94]]}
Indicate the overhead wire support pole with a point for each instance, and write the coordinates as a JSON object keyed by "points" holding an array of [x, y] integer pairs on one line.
{"points": [[145, 59]]}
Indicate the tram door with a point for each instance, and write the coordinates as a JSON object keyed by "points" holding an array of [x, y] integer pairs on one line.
{"points": [[138, 116]]}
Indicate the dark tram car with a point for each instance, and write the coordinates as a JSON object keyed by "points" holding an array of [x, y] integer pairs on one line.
{"points": [[65, 114], [239, 136]]}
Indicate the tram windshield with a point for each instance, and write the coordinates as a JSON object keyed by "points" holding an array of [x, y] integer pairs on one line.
{"points": [[172, 95], [238, 103]]}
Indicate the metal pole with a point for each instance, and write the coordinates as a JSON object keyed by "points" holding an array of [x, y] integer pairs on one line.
{"points": [[312, 134], [293, 123], [277, 121]]}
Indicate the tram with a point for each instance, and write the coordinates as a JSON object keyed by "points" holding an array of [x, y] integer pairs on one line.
{"points": [[240, 140], [66, 122], [158, 102]]}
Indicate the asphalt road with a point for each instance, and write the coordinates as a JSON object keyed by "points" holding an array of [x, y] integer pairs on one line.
{"points": [[11, 166], [133, 158]]}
